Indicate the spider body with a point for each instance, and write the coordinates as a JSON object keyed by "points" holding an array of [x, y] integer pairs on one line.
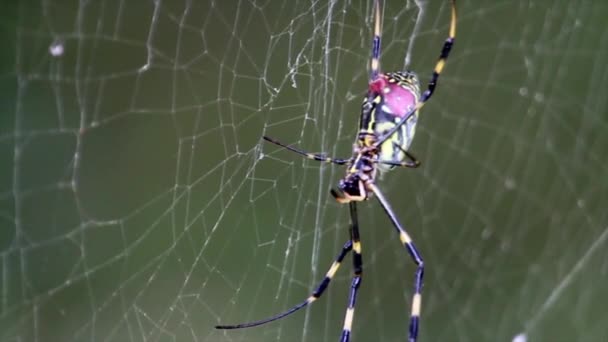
{"points": [[389, 98], [387, 125]]}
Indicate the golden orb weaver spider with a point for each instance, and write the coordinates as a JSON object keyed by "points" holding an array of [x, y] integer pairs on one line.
{"points": [[387, 125]]}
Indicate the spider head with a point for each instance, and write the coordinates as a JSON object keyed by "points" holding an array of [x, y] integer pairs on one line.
{"points": [[350, 188]]}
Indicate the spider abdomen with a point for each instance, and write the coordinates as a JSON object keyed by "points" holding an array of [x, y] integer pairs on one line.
{"points": [[393, 96]]}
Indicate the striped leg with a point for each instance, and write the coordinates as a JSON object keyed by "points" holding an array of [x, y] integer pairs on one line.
{"points": [[445, 52], [357, 272], [313, 156], [406, 240], [375, 58], [316, 294]]}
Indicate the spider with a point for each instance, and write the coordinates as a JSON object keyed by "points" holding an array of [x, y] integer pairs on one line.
{"points": [[387, 125]]}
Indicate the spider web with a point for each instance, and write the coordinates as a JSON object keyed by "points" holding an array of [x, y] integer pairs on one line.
{"points": [[138, 201]]}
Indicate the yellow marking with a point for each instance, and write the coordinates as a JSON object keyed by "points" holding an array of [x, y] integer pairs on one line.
{"points": [[405, 239], [453, 24], [392, 80], [416, 304], [375, 64], [377, 99], [333, 269], [372, 120], [357, 247], [387, 149], [384, 126], [439, 66], [311, 299], [348, 320]]}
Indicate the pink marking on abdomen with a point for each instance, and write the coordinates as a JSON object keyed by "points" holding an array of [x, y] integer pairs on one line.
{"points": [[399, 100]]}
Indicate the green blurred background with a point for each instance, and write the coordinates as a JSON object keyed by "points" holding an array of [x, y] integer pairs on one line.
{"points": [[138, 202]]}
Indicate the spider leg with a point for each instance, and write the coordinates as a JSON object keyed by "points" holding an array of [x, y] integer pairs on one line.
{"points": [[445, 52], [316, 294], [357, 273], [407, 242], [412, 162], [313, 156], [375, 59]]}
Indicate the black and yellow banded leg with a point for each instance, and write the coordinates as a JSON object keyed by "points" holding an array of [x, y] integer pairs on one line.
{"points": [[443, 56], [313, 156], [445, 52], [348, 246], [407, 242], [375, 58], [357, 273]]}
